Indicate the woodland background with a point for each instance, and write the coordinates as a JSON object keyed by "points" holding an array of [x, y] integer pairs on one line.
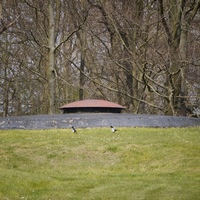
{"points": [[142, 54]]}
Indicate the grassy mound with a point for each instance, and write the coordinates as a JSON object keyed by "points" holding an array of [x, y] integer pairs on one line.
{"points": [[132, 163]]}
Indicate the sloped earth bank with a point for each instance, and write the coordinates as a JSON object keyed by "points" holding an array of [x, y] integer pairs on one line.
{"points": [[85, 120]]}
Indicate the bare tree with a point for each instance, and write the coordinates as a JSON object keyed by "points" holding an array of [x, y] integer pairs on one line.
{"points": [[142, 54], [176, 18]]}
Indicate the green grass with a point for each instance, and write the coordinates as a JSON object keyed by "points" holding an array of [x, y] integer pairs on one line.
{"points": [[94, 164]]}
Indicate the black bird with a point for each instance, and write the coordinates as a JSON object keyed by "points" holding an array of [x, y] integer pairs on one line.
{"points": [[73, 130], [113, 129]]}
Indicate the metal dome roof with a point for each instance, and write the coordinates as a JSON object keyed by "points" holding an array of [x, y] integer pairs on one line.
{"points": [[92, 103]]}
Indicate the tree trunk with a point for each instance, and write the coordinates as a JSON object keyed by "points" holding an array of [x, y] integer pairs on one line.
{"points": [[51, 60], [1, 9], [82, 63], [183, 56], [6, 100]]}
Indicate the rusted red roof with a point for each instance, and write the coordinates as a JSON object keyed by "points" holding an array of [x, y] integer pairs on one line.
{"points": [[92, 103]]}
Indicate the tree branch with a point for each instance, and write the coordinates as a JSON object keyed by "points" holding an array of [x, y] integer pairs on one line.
{"points": [[73, 32], [164, 22], [66, 39], [9, 25]]}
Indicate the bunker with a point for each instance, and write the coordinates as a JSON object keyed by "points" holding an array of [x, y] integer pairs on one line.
{"points": [[92, 106]]}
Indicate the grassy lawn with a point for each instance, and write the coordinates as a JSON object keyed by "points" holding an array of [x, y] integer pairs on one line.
{"points": [[133, 163]]}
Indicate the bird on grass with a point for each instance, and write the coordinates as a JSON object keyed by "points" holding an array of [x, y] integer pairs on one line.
{"points": [[113, 129], [73, 129]]}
